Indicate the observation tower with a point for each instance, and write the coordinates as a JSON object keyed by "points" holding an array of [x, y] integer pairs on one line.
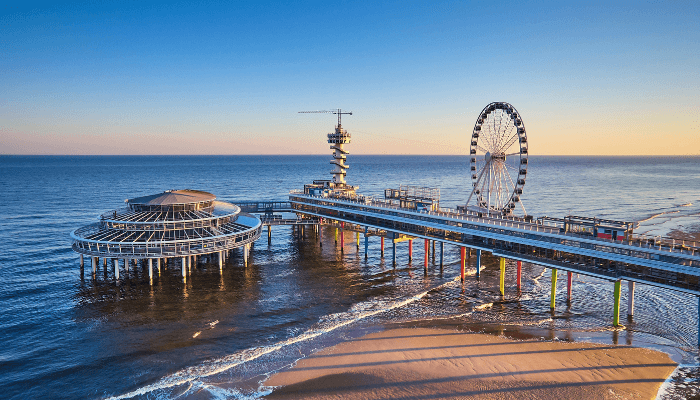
{"points": [[338, 139], [165, 227]]}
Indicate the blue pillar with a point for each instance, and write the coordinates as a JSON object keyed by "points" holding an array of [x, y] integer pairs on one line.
{"points": [[393, 255], [366, 241], [478, 262]]}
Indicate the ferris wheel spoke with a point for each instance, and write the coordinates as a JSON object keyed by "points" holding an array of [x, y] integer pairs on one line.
{"points": [[482, 149]]}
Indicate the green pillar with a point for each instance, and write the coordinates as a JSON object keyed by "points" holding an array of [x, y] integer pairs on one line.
{"points": [[553, 300], [616, 306]]}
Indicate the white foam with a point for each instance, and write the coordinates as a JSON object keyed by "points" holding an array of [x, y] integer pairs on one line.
{"points": [[329, 323]]}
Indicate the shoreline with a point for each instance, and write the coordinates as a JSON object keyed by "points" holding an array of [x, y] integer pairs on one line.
{"points": [[440, 360]]}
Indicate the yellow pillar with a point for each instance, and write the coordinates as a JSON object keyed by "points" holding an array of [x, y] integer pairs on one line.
{"points": [[503, 276]]}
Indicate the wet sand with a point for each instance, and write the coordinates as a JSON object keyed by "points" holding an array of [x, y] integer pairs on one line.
{"points": [[431, 363]]}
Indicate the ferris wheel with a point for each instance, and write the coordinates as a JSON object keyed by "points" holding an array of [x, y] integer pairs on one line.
{"points": [[498, 160]]}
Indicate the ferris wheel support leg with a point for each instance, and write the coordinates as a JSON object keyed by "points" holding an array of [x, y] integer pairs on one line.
{"points": [[553, 294], [478, 262]]}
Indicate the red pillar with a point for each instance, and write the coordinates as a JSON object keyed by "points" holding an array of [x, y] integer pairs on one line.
{"points": [[462, 253], [342, 236], [569, 275], [520, 264], [410, 249], [426, 252], [382, 245]]}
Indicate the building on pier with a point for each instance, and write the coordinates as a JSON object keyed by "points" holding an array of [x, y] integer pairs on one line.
{"points": [[172, 224]]}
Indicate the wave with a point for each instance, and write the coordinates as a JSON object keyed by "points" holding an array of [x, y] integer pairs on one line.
{"points": [[328, 323], [657, 215]]}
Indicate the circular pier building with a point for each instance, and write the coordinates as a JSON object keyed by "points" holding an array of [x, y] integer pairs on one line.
{"points": [[167, 227]]}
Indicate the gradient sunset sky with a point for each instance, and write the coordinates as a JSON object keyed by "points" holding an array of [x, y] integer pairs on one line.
{"points": [[229, 78]]}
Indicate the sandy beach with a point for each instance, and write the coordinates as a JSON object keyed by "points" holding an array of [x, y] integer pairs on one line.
{"points": [[432, 363]]}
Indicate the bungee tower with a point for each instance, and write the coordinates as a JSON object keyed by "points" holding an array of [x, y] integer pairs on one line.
{"points": [[337, 139]]}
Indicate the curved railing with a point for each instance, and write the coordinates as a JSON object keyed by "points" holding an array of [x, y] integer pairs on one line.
{"points": [[160, 248], [225, 214]]}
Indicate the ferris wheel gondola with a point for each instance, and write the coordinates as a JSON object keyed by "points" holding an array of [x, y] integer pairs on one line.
{"points": [[498, 160]]}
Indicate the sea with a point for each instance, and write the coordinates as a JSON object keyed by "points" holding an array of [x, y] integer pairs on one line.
{"points": [[65, 334]]}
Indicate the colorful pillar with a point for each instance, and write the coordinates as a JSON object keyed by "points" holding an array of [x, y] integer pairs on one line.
{"points": [[442, 251], [478, 262], [366, 241], [382, 246], [630, 299], [569, 278], [342, 236], [553, 295], [269, 234], [357, 236], [518, 274], [616, 305], [427, 249], [462, 251], [393, 255], [410, 249], [503, 276], [336, 235]]}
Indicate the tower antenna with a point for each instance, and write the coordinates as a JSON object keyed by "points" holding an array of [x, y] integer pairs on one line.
{"points": [[337, 140]]}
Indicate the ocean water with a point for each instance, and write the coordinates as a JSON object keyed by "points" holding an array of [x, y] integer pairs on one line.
{"points": [[68, 335]]}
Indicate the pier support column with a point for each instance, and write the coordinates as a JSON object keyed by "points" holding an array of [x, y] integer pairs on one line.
{"points": [[336, 235], [357, 237], [442, 252], [630, 299], [95, 261], [104, 263], [158, 265], [427, 250], [553, 295], [616, 304], [478, 262], [82, 261], [393, 255], [410, 250], [150, 270], [269, 234], [462, 261], [366, 241], [502, 286], [342, 236], [245, 254], [221, 262], [569, 278], [382, 253], [116, 268], [184, 267], [433, 252], [518, 275], [698, 321]]}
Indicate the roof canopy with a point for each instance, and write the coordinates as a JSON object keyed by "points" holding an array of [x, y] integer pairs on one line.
{"points": [[169, 197]]}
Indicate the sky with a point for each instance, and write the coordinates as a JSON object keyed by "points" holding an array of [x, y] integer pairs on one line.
{"points": [[138, 77]]}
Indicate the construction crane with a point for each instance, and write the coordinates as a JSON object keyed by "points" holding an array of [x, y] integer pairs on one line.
{"points": [[338, 111]]}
